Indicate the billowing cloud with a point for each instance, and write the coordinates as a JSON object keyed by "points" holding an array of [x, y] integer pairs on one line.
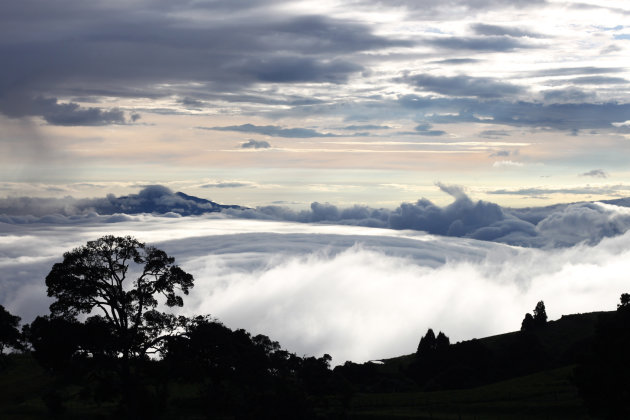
{"points": [[151, 199], [355, 293], [464, 217]]}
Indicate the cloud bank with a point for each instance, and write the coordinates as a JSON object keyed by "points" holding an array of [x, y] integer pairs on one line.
{"points": [[543, 227], [353, 292]]}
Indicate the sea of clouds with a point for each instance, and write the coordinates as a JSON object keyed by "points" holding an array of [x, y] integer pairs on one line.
{"points": [[357, 293]]}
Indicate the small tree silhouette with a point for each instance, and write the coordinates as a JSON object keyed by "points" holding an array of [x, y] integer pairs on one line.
{"points": [[427, 343], [539, 319], [528, 323], [540, 314]]}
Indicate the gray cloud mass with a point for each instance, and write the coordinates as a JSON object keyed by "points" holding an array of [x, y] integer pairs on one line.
{"points": [[545, 227], [272, 130]]}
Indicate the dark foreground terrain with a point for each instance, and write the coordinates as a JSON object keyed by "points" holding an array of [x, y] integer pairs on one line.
{"points": [[519, 375]]}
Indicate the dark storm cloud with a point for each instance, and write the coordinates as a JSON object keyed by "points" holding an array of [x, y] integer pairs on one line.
{"points": [[77, 48], [494, 30], [482, 87], [56, 113], [300, 69], [272, 130], [559, 116], [255, 144], [596, 173]]}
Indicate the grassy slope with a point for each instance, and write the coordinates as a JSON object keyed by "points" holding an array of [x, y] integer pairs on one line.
{"points": [[544, 395], [558, 338]]}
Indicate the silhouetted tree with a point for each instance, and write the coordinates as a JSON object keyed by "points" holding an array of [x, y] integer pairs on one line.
{"points": [[540, 314], [539, 319], [55, 341], [528, 322], [10, 337], [427, 343], [442, 342], [624, 301], [94, 277]]}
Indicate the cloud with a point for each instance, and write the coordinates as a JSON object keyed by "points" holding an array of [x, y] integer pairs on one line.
{"points": [[482, 87], [255, 144], [87, 49], [598, 80], [425, 130], [462, 218], [457, 61], [363, 293], [494, 134], [366, 127], [486, 43], [226, 184], [596, 173], [558, 116], [56, 113], [568, 95], [151, 199], [586, 190], [508, 163], [498, 30], [272, 130], [570, 71]]}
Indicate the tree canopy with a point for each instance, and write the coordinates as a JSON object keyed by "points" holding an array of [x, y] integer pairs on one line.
{"points": [[119, 279], [9, 332]]}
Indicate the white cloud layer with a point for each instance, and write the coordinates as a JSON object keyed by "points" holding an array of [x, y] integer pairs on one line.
{"points": [[355, 293]]}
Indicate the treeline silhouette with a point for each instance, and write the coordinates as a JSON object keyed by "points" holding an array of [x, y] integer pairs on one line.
{"points": [[106, 341]]}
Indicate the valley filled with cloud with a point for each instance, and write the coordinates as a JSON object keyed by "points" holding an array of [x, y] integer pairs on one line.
{"points": [[338, 284]]}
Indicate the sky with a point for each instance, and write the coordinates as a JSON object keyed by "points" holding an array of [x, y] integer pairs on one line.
{"points": [[401, 164], [523, 103]]}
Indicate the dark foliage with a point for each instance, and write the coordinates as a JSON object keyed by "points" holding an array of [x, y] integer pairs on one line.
{"points": [[540, 314], [10, 337], [245, 376], [94, 278], [538, 320], [603, 377]]}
